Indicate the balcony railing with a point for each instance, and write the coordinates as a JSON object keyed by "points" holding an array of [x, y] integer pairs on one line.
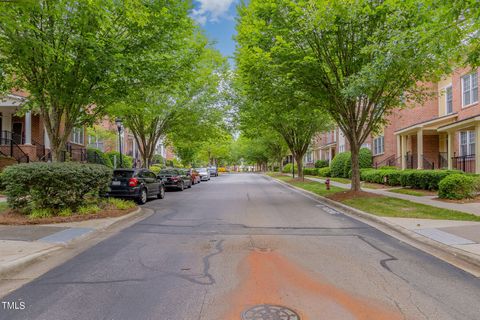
{"points": [[464, 163]]}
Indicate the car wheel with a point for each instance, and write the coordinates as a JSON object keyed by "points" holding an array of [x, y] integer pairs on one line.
{"points": [[190, 184], [143, 196], [161, 194]]}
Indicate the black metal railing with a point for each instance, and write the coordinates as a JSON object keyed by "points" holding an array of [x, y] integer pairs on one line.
{"points": [[391, 161], [10, 148], [442, 160], [464, 163]]}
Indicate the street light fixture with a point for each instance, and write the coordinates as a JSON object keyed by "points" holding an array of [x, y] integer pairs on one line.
{"points": [[118, 122]]}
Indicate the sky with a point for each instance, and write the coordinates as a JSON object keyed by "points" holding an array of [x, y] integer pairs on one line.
{"points": [[217, 18]]}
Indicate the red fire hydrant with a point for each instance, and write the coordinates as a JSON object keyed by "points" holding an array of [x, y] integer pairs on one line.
{"points": [[327, 183]]}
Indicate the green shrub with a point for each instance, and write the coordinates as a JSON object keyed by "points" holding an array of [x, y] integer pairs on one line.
{"points": [[339, 163], [121, 204], [65, 212], [127, 161], [458, 186], [321, 164], [54, 186], [40, 213], [425, 179], [342, 163], [364, 161], [156, 168], [388, 168], [288, 168], [90, 209], [310, 171], [98, 157], [324, 172], [417, 179]]}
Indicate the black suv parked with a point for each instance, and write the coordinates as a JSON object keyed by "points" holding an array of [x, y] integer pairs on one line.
{"points": [[138, 184], [175, 178]]}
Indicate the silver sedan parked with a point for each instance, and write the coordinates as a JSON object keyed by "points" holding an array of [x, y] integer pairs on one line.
{"points": [[204, 174]]}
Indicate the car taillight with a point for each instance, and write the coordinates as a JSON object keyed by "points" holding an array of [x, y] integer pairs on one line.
{"points": [[132, 182]]}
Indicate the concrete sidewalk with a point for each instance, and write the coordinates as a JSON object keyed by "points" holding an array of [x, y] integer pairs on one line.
{"points": [[24, 245], [458, 239], [472, 208]]}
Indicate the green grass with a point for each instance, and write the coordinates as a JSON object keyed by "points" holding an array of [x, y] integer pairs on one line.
{"points": [[40, 213], [67, 212], [385, 206], [393, 207], [121, 204], [411, 192], [315, 187], [3, 206], [89, 209], [372, 185]]}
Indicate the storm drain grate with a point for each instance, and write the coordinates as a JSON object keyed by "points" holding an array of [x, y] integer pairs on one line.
{"points": [[269, 312]]}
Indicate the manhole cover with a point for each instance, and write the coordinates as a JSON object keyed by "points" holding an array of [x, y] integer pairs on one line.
{"points": [[269, 312]]}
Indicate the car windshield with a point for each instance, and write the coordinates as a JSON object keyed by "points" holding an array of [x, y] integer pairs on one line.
{"points": [[122, 174], [202, 170]]}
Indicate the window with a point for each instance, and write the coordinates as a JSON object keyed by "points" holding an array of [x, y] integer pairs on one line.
{"points": [[467, 143], [341, 148], [469, 89], [77, 135], [378, 145], [308, 157], [449, 100]]}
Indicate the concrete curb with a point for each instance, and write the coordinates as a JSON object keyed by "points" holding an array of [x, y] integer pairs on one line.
{"points": [[20, 264], [421, 241]]}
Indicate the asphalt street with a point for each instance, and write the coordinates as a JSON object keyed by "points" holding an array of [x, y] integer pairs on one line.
{"points": [[241, 241]]}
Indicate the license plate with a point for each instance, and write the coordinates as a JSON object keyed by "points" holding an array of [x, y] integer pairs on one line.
{"points": [[116, 183]]}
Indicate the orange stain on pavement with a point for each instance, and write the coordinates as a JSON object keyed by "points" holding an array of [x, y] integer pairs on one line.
{"points": [[269, 278]]}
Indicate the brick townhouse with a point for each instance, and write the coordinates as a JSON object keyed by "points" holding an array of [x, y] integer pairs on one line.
{"points": [[439, 133], [24, 137]]}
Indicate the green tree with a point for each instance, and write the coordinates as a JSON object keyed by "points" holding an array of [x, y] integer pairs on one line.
{"points": [[269, 97], [177, 104], [73, 56], [359, 60]]}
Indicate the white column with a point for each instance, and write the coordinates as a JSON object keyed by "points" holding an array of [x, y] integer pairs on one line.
{"points": [[28, 127], [420, 149], [404, 152], [46, 139], [450, 137], [399, 146], [477, 148], [6, 121]]}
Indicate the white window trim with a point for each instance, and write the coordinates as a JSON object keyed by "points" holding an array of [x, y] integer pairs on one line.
{"points": [[72, 136], [446, 98], [375, 146], [468, 142], [471, 90]]}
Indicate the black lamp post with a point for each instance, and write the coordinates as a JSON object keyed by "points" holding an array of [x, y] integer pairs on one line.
{"points": [[118, 122]]}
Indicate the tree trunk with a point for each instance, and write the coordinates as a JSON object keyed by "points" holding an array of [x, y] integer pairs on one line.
{"points": [[355, 151], [299, 160], [281, 165]]}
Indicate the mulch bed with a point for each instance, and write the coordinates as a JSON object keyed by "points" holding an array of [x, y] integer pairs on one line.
{"points": [[347, 195], [15, 218]]}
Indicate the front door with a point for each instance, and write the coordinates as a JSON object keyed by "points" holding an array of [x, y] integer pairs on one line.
{"points": [[17, 132]]}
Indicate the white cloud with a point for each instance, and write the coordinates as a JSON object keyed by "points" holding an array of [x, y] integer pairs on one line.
{"points": [[211, 10]]}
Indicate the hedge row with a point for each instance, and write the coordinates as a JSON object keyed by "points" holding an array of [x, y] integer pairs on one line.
{"points": [[54, 186], [418, 179], [321, 172], [97, 156]]}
